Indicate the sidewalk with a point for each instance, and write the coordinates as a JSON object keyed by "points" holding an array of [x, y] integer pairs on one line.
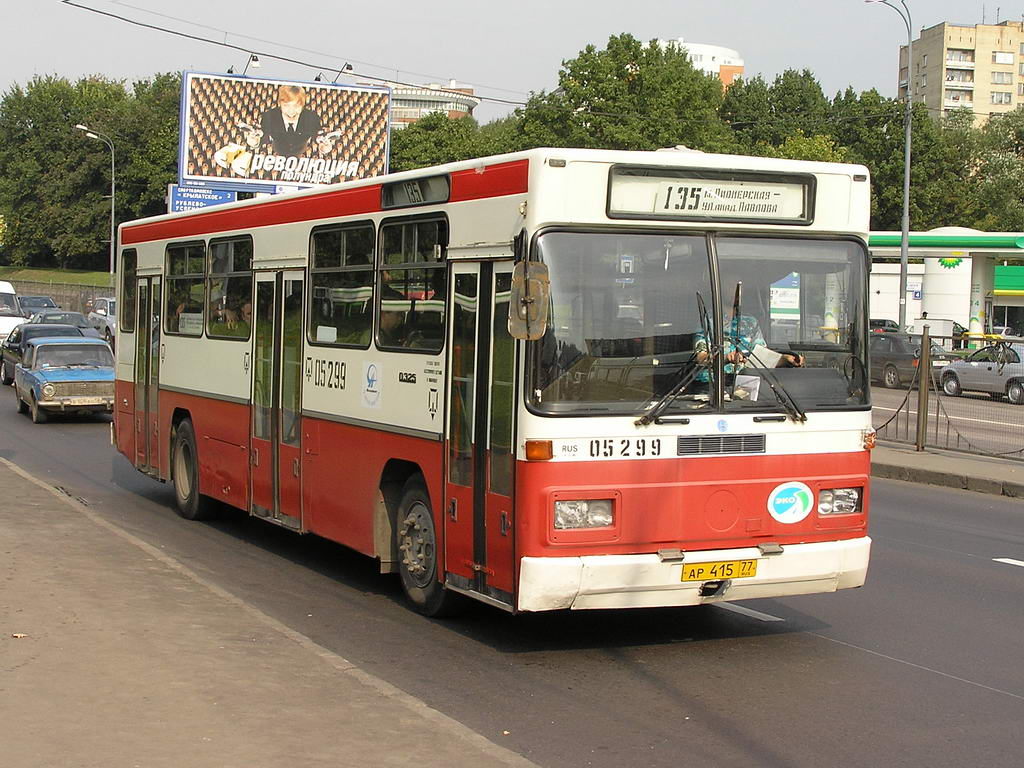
{"points": [[113, 654], [1002, 477]]}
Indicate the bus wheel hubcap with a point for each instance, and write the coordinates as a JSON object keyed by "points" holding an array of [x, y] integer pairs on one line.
{"points": [[417, 546]]}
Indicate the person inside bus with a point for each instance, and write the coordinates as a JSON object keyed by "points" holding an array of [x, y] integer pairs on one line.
{"points": [[742, 336]]}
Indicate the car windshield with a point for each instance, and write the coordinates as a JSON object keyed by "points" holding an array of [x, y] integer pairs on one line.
{"points": [[69, 355], [37, 301], [631, 317], [63, 318], [9, 305]]}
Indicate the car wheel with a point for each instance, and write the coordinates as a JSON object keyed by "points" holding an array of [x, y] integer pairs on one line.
{"points": [[1015, 392], [5, 377], [951, 385], [891, 377], [191, 504], [38, 414], [417, 553]]}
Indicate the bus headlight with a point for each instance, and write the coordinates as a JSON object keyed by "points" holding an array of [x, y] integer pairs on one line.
{"points": [[49, 391], [839, 501], [588, 513]]}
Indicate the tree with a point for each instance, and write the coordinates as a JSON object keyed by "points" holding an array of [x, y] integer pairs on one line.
{"points": [[747, 109], [55, 182], [820, 147], [628, 96], [433, 140]]}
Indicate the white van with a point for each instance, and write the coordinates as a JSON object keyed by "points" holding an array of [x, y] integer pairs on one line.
{"points": [[10, 310]]}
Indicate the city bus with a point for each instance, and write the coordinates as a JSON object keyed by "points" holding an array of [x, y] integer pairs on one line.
{"points": [[554, 379]]}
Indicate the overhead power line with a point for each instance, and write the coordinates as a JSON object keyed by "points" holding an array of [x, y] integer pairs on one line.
{"points": [[278, 57]]}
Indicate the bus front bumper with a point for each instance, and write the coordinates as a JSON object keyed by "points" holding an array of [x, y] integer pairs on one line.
{"points": [[646, 581]]}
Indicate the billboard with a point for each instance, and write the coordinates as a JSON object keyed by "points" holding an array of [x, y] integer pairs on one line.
{"points": [[257, 135]]}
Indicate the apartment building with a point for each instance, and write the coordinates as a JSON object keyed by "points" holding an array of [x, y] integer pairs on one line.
{"points": [[411, 102], [979, 67], [724, 63]]}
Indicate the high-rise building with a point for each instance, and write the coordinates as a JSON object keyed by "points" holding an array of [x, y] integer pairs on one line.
{"points": [[724, 63], [411, 102], [980, 67]]}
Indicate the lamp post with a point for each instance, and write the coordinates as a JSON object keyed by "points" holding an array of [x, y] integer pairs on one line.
{"points": [[904, 11], [113, 186]]}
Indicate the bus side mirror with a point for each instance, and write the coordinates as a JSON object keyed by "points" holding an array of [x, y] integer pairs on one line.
{"points": [[528, 308]]}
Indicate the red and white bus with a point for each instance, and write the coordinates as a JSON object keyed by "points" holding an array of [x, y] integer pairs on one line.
{"points": [[552, 379]]}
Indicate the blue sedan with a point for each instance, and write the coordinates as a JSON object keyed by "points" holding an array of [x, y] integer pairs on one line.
{"points": [[65, 375]]}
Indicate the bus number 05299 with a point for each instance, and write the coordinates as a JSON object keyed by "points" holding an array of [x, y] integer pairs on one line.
{"points": [[638, 447]]}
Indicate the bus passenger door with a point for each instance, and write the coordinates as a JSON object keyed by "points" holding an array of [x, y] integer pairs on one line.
{"points": [[479, 541], [276, 397], [147, 376]]}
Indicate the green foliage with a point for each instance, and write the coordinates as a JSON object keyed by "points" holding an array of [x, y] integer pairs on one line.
{"points": [[55, 181], [628, 96], [433, 140], [800, 147]]}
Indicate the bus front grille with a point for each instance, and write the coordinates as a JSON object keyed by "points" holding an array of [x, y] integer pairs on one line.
{"points": [[690, 445]]}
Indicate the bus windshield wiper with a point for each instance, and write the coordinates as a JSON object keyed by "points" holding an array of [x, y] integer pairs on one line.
{"points": [[691, 368], [786, 400]]}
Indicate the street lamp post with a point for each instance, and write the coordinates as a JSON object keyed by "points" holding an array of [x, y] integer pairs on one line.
{"points": [[904, 11], [92, 134]]}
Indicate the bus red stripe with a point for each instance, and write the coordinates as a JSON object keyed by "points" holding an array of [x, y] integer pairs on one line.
{"points": [[471, 184], [340, 202]]}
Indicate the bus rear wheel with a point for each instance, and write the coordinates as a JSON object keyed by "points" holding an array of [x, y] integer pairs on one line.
{"points": [[416, 541], [191, 504]]}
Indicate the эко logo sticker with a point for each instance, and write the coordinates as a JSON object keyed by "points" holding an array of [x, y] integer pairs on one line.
{"points": [[790, 502]]}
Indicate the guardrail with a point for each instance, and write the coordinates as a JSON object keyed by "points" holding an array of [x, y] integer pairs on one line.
{"points": [[972, 399]]}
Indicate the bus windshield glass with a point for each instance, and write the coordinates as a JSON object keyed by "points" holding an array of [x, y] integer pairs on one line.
{"points": [[634, 316]]}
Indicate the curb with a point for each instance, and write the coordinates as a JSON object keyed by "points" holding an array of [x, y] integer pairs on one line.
{"points": [[963, 482]]}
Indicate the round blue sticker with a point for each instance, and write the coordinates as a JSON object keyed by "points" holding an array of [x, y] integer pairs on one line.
{"points": [[790, 502]]}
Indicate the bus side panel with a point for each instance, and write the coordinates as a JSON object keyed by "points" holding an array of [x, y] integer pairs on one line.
{"points": [[695, 503], [222, 437], [124, 418], [342, 474]]}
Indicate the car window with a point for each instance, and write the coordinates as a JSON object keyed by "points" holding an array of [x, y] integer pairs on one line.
{"points": [[58, 355], [15, 336], [982, 356]]}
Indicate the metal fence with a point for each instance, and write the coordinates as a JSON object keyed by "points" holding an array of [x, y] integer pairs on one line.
{"points": [[972, 399], [70, 296]]}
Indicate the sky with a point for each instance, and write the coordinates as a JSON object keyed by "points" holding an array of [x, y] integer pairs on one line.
{"points": [[504, 50]]}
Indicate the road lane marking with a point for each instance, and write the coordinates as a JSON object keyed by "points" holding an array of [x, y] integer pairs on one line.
{"points": [[951, 418], [921, 667], [1008, 561], [750, 611]]}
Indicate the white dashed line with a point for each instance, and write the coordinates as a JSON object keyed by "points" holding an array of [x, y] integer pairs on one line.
{"points": [[751, 612], [1008, 561]]}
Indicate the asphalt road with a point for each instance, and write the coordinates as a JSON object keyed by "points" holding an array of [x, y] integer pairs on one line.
{"points": [[922, 666], [956, 422]]}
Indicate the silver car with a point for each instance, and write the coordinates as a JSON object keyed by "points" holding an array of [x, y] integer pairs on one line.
{"points": [[996, 369]]}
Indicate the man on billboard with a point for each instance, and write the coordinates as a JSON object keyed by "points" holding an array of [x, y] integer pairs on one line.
{"points": [[289, 126]]}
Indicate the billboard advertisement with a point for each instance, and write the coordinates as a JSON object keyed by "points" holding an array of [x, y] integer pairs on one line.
{"points": [[257, 135]]}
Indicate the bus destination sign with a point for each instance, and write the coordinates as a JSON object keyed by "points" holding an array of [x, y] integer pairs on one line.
{"points": [[710, 199]]}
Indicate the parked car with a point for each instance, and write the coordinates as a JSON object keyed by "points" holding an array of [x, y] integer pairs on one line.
{"points": [[63, 317], [883, 326], [996, 369], [65, 375], [896, 356], [12, 351], [10, 311], [30, 305], [103, 317]]}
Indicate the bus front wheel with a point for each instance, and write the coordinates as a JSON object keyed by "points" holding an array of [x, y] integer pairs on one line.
{"points": [[416, 541], [185, 465]]}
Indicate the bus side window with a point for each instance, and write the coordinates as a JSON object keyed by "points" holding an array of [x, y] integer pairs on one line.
{"points": [[413, 284], [342, 286]]}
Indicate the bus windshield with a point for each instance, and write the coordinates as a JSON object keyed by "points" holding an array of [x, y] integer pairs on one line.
{"points": [[633, 316]]}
